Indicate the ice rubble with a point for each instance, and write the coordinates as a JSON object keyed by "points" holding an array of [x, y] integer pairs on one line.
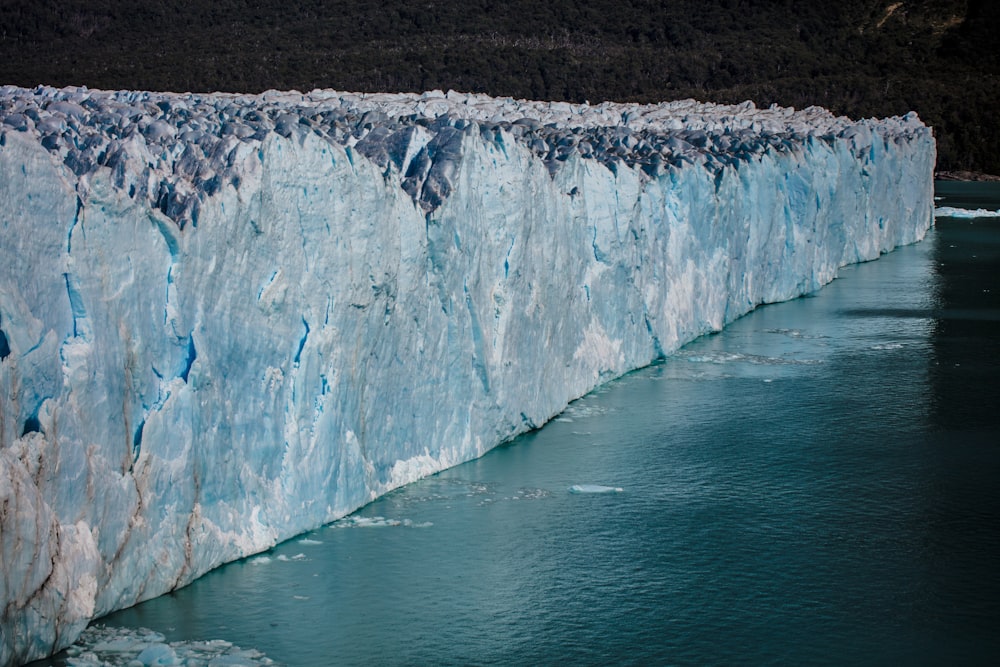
{"points": [[102, 646], [227, 319]]}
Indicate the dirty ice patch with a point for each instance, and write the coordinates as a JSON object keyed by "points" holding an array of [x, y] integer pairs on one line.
{"points": [[438, 489], [377, 522], [524, 493], [101, 646], [720, 358], [583, 409], [795, 334]]}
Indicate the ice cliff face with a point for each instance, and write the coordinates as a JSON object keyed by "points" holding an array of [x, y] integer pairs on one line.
{"points": [[225, 319]]}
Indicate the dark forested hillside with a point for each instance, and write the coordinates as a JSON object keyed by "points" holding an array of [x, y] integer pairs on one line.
{"points": [[856, 57]]}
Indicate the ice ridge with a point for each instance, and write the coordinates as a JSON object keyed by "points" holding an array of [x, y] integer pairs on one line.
{"points": [[228, 319], [186, 144]]}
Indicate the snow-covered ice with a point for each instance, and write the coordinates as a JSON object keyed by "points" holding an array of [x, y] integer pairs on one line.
{"points": [[229, 319]]}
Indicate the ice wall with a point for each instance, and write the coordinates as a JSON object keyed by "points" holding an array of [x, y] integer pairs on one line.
{"points": [[227, 319]]}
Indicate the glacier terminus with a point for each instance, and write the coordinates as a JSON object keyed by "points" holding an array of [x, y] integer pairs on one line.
{"points": [[228, 319]]}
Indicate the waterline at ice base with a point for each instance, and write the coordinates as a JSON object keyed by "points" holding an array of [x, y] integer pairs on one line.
{"points": [[229, 319]]}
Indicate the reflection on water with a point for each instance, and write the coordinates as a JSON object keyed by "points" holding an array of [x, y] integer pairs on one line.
{"points": [[815, 484]]}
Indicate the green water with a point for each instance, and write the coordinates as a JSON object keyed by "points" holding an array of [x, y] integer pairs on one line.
{"points": [[817, 484]]}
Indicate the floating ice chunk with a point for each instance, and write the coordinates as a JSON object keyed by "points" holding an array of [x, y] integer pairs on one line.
{"points": [[156, 655], [952, 212], [131, 643], [307, 541], [119, 645], [284, 559], [595, 488]]}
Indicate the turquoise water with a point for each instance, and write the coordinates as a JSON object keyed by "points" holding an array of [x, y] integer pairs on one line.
{"points": [[819, 483]]}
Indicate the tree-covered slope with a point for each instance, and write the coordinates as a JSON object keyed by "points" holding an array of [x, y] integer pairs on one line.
{"points": [[856, 57]]}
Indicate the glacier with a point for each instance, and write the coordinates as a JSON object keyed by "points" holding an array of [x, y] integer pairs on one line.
{"points": [[228, 319]]}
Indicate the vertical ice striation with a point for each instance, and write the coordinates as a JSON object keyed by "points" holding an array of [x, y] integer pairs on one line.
{"points": [[228, 319]]}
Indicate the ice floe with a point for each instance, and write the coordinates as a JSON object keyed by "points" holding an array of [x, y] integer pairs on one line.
{"points": [[103, 646]]}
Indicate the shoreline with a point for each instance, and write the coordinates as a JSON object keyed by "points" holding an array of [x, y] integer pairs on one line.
{"points": [[972, 176]]}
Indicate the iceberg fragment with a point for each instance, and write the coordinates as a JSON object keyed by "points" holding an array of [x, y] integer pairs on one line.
{"points": [[595, 488], [228, 319]]}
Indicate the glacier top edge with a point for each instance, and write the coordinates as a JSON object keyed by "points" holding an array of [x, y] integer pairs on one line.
{"points": [[186, 139], [660, 117]]}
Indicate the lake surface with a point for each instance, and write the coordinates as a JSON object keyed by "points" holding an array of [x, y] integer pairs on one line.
{"points": [[819, 483]]}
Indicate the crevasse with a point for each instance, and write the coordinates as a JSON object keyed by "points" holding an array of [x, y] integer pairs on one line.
{"points": [[227, 319]]}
